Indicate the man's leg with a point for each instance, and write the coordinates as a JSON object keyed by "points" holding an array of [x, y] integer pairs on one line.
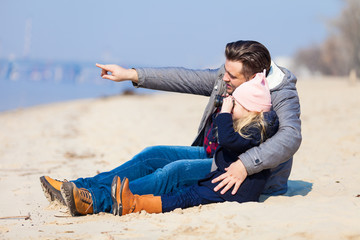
{"points": [[172, 177], [144, 163], [155, 170]]}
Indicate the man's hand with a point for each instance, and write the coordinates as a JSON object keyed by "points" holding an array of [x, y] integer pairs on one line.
{"points": [[117, 73], [235, 175]]}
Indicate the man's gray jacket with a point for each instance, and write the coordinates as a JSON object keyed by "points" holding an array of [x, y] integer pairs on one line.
{"points": [[276, 153]]}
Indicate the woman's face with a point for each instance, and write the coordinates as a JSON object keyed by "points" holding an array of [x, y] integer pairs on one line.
{"points": [[239, 111]]}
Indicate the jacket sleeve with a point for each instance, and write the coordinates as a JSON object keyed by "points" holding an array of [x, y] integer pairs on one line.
{"points": [[283, 145], [174, 79], [232, 140]]}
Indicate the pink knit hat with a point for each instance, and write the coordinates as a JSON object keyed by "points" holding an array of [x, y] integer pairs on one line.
{"points": [[254, 95]]}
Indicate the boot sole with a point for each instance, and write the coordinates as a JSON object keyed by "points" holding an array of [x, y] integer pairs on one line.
{"points": [[50, 192], [117, 207], [121, 190], [67, 194]]}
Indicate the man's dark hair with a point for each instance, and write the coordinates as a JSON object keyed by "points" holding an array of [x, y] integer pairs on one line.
{"points": [[253, 55]]}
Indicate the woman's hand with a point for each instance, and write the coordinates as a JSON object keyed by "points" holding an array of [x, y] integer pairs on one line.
{"points": [[235, 175], [228, 104], [117, 74]]}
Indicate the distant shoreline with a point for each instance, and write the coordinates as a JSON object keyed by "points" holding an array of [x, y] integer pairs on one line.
{"points": [[23, 94]]}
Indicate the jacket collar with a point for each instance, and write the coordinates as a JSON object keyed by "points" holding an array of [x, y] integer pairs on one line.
{"points": [[275, 76]]}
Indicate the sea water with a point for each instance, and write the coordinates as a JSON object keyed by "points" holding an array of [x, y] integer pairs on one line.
{"points": [[25, 83]]}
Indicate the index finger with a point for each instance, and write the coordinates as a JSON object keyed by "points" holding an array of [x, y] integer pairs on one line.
{"points": [[102, 66]]}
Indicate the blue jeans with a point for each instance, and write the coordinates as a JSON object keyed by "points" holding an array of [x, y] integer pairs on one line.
{"points": [[155, 170]]}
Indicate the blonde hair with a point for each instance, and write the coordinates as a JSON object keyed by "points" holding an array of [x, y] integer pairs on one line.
{"points": [[253, 119]]}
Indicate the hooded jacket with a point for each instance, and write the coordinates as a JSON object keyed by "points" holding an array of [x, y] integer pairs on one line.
{"points": [[276, 153]]}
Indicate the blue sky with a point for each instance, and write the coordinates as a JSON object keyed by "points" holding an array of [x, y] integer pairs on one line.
{"points": [[187, 33]]}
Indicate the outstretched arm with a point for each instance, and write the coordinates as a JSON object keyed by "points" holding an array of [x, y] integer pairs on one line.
{"points": [[172, 79]]}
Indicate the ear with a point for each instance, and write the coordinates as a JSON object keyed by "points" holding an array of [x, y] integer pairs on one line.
{"points": [[265, 82]]}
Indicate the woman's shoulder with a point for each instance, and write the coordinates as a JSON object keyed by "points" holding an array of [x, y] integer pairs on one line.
{"points": [[272, 122], [270, 116]]}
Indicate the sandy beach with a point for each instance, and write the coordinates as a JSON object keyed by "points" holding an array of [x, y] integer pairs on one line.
{"points": [[82, 138]]}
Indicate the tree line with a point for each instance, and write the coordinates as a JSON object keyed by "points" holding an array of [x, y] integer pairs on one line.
{"points": [[339, 54]]}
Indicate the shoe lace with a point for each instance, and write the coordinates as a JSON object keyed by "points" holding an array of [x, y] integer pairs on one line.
{"points": [[85, 196]]}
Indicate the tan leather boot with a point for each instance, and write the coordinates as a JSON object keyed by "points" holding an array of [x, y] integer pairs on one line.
{"points": [[78, 200], [124, 202]]}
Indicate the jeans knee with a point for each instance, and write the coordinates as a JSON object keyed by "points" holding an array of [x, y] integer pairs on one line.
{"points": [[173, 169], [143, 156], [151, 152], [165, 174]]}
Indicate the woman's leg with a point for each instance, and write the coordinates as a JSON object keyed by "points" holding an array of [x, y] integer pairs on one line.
{"points": [[189, 197], [125, 202], [195, 195], [251, 189]]}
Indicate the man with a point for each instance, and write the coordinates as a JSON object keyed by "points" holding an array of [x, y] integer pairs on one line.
{"points": [[162, 169]]}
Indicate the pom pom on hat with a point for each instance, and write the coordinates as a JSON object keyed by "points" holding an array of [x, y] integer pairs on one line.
{"points": [[254, 95]]}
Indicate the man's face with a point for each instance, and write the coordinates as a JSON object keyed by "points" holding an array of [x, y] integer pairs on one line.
{"points": [[233, 76]]}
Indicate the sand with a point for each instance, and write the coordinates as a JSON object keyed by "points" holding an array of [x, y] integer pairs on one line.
{"points": [[81, 138]]}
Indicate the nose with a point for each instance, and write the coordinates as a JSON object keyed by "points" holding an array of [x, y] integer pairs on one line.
{"points": [[225, 78]]}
